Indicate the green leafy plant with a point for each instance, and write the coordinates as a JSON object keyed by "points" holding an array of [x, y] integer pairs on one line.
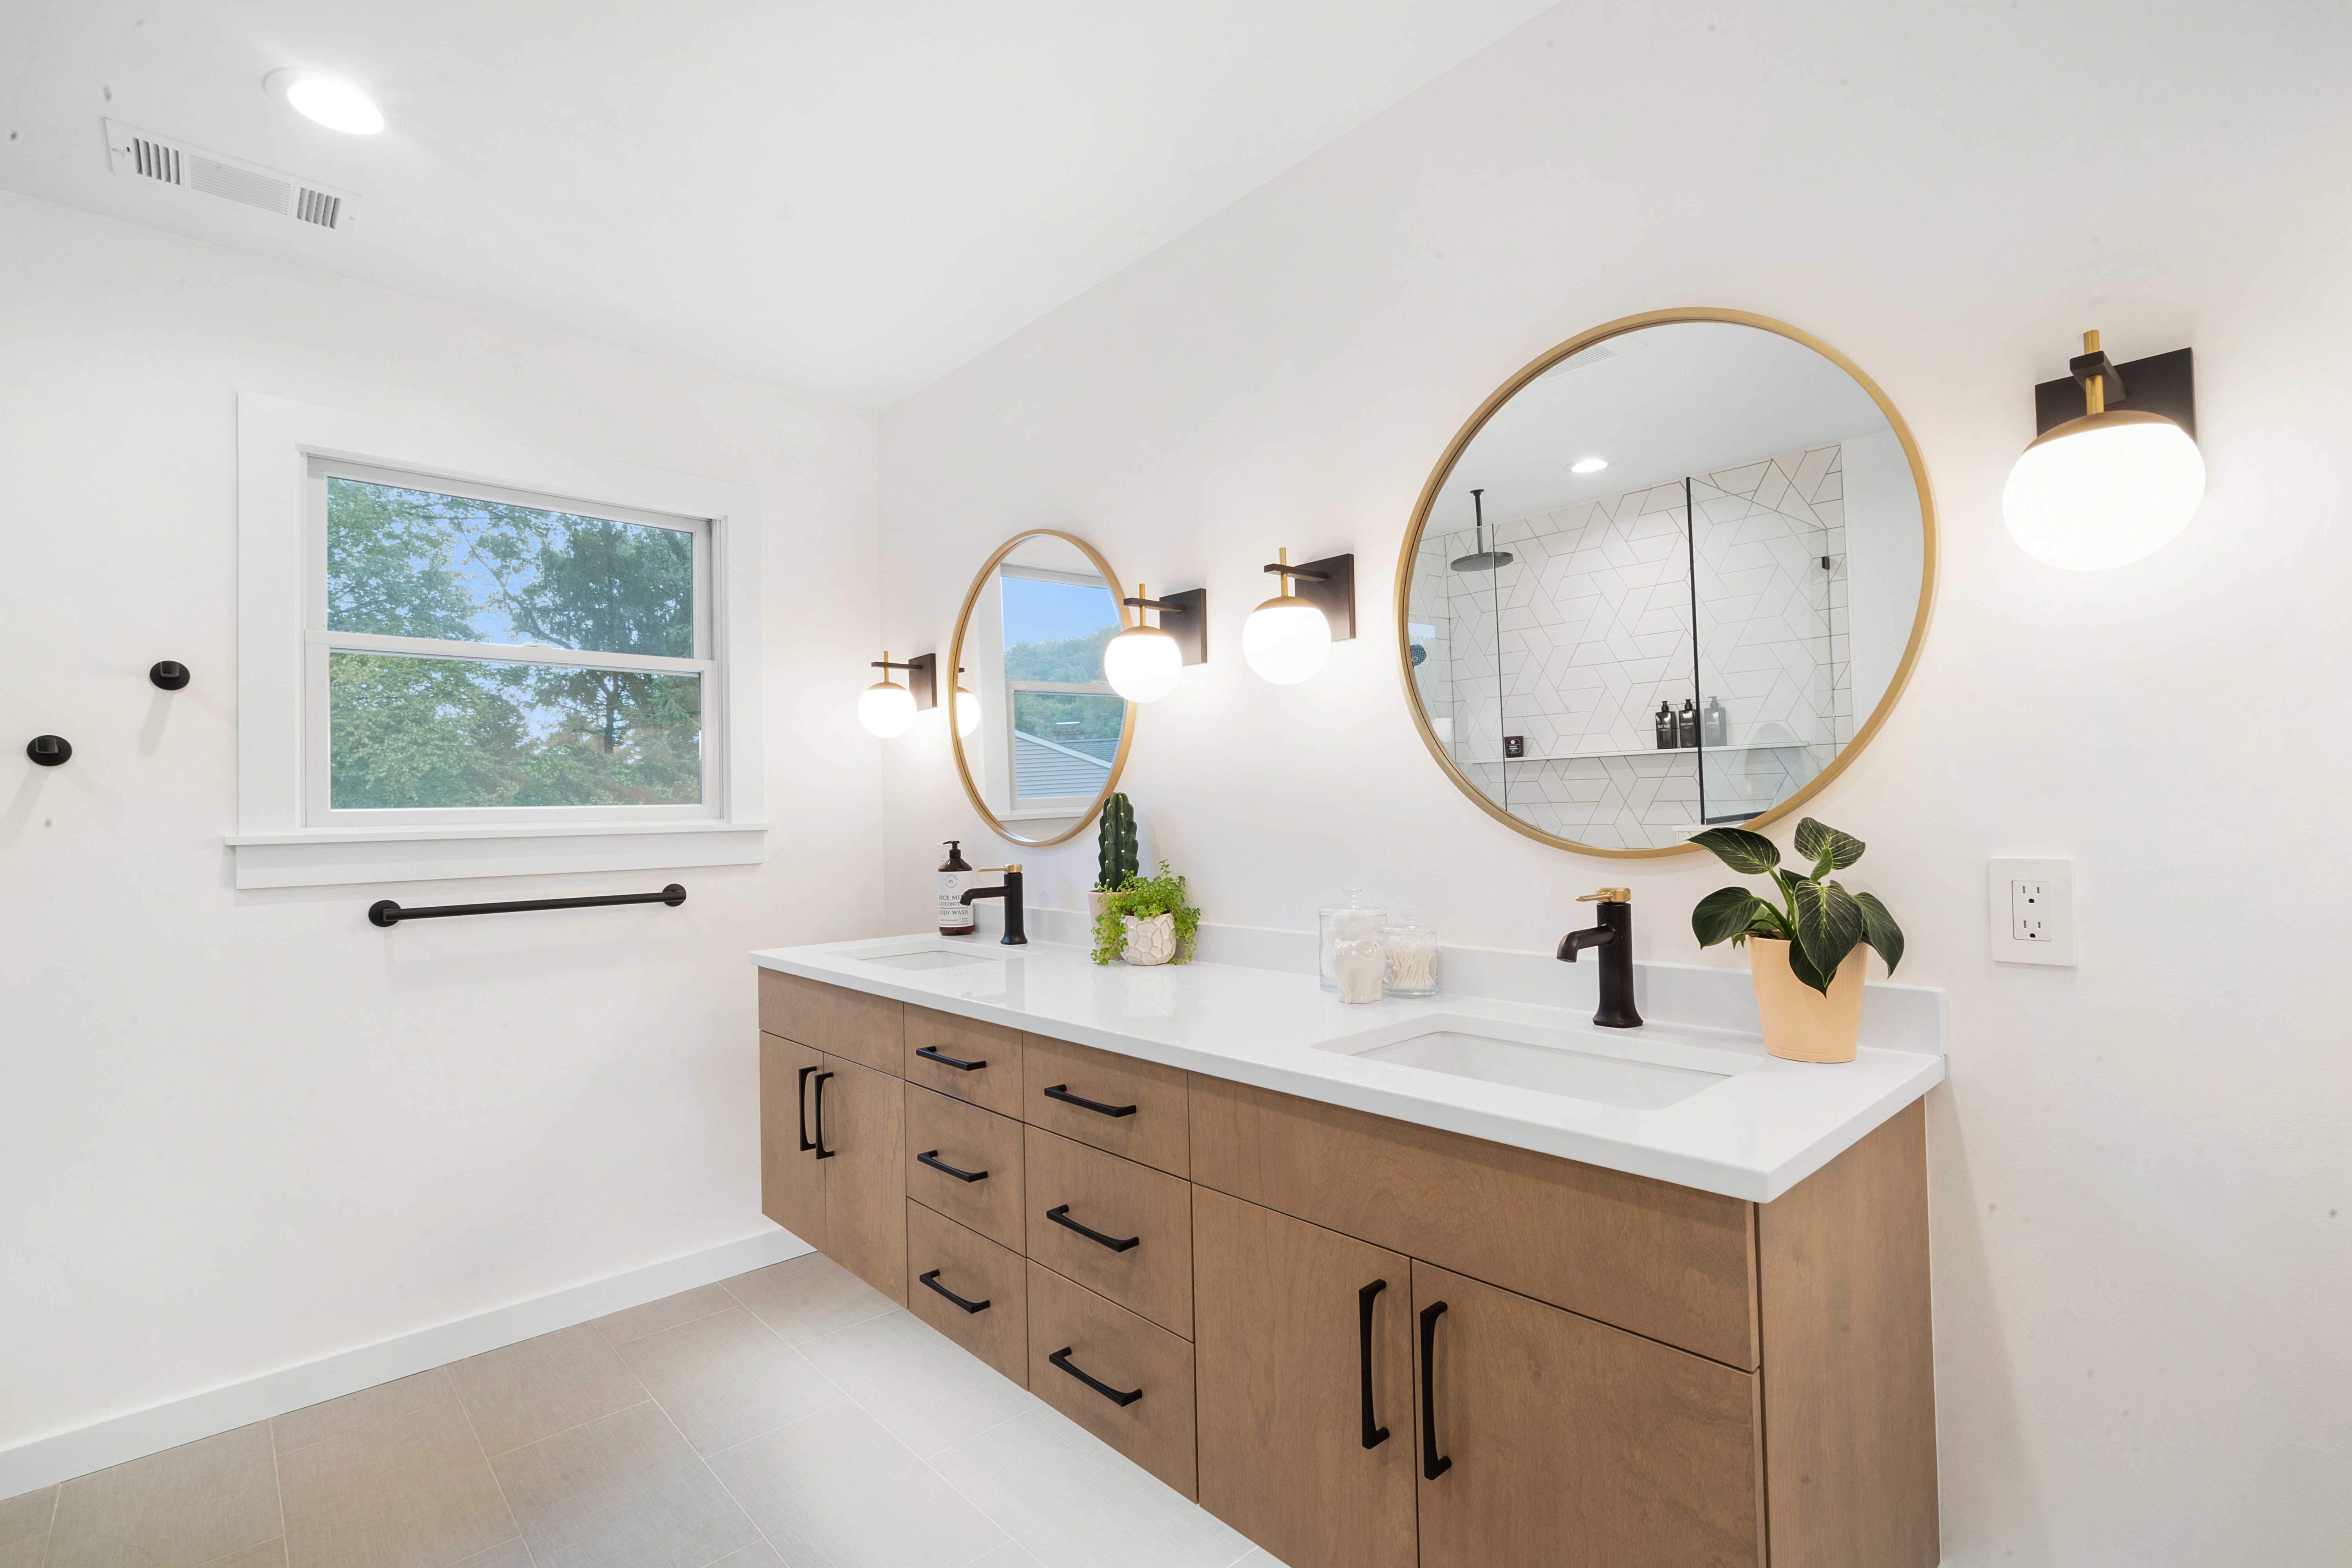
{"points": [[1820, 920], [1144, 896], [1115, 858]]}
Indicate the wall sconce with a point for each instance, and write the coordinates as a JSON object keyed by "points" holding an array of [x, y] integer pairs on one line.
{"points": [[1143, 662], [967, 709], [887, 708], [2117, 482], [1287, 638]]}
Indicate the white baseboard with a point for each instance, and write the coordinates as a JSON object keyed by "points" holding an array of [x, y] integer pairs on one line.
{"points": [[61, 1455]]}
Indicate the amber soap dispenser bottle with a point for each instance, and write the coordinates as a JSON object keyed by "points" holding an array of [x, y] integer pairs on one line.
{"points": [[955, 876]]}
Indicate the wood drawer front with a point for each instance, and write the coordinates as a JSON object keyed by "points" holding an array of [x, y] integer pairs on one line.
{"points": [[1126, 1354], [1155, 1132], [978, 1270], [1668, 1262], [996, 1085], [973, 1141], [1573, 1443], [868, 1030], [1123, 1201]]}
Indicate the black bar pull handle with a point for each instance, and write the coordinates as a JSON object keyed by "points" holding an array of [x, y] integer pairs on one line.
{"points": [[1062, 1091], [932, 1280], [1061, 1217], [950, 1061], [384, 913], [822, 1151], [805, 1144], [1061, 1358], [1432, 1463], [1374, 1433], [931, 1158]]}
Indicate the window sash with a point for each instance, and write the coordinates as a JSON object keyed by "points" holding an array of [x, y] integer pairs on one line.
{"points": [[319, 642]]}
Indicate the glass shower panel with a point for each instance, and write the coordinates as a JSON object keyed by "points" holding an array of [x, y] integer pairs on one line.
{"points": [[1761, 565]]}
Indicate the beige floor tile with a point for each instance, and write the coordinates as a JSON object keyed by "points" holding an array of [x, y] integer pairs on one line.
{"points": [[1075, 1502], [412, 1491], [926, 1389], [27, 1514], [626, 1491], [26, 1552], [759, 1554], [521, 1392], [725, 1378], [173, 1509], [803, 1296], [1009, 1555], [513, 1554], [318, 1423], [637, 1322], [835, 1489], [268, 1554]]}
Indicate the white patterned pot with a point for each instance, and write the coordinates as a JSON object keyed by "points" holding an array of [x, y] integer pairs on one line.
{"points": [[1151, 940]]}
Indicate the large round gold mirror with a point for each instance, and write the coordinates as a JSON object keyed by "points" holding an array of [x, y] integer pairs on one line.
{"points": [[1672, 575], [1051, 736]]}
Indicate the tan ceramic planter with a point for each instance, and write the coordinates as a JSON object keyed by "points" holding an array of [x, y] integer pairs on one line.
{"points": [[1153, 940], [1800, 1025]]}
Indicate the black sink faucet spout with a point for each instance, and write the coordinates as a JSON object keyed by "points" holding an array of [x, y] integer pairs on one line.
{"points": [[1015, 936], [1615, 937]]}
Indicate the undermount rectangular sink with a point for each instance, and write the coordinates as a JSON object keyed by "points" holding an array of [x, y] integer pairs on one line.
{"points": [[959, 966], [1635, 1074]]}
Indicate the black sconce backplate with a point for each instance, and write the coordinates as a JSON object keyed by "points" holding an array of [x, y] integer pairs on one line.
{"points": [[923, 680], [1184, 616], [2160, 383], [1329, 584]]}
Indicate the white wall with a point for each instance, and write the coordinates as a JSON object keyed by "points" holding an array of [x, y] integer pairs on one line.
{"points": [[2141, 1278], [242, 1131]]}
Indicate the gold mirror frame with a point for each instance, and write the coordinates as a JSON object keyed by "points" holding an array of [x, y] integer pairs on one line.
{"points": [[1510, 389], [955, 664]]}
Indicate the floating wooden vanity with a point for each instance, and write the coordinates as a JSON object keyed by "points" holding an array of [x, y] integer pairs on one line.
{"points": [[1367, 1343]]}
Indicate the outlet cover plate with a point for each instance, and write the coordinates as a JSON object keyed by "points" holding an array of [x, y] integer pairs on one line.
{"points": [[2032, 908]]}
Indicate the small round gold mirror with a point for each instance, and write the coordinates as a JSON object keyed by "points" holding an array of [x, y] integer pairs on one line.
{"points": [[1672, 574], [1049, 739]]}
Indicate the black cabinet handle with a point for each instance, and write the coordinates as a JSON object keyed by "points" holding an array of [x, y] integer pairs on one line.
{"points": [[1374, 1433], [1062, 1091], [1432, 1463], [822, 1151], [934, 1163], [959, 1067], [805, 1144], [1061, 1217], [1061, 1358], [932, 1280]]}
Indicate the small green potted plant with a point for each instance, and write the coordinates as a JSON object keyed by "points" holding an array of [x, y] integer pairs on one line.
{"points": [[1114, 863], [1146, 921], [1804, 951]]}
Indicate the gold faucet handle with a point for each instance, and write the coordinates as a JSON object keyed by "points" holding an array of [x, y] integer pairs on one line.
{"points": [[996, 868], [1609, 896]]}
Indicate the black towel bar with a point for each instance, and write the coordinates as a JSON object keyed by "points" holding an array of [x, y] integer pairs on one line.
{"points": [[384, 913]]}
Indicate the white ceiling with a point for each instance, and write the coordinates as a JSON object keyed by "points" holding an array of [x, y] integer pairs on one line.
{"points": [[850, 198], [1693, 397]]}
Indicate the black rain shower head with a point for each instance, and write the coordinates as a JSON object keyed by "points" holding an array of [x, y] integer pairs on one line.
{"points": [[1485, 560]]}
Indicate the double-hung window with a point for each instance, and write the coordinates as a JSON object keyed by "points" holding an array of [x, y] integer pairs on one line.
{"points": [[1063, 719], [476, 656]]}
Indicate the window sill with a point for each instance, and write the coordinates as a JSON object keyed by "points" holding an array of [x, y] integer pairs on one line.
{"points": [[335, 856]]}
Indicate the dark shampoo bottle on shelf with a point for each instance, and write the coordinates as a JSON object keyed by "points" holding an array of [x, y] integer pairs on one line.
{"points": [[1686, 724], [1665, 727]]}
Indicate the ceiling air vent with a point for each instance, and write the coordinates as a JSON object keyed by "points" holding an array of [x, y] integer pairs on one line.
{"points": [[143, 155]]}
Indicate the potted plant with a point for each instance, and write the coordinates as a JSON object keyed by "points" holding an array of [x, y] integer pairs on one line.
{"points": [[1146, 921], [1805, 950], [1115, 862]]}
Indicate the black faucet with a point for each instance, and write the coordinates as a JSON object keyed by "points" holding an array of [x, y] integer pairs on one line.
{"points": [[1011, 893], [1615, 937]]}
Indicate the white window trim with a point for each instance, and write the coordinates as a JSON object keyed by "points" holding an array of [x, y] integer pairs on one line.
{"points": [[275, 848]]}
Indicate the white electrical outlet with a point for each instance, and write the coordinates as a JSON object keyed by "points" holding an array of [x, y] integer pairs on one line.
{"points": [[2031, 903]]}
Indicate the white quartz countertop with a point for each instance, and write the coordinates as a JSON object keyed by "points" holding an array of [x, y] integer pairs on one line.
{"points": [[1756, 1128]]}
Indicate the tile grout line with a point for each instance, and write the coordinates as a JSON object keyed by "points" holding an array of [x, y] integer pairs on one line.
{"points": [[575, 1426], [717, 1480], [507, 1502], [278, 1480], [598, 1325], [49, 1535]]}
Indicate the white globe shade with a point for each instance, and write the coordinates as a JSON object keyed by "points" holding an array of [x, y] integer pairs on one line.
{"points": [[1285, 641], [967, 712], [2104, 490], [337, 105], [887, 709], [1142, 663]]}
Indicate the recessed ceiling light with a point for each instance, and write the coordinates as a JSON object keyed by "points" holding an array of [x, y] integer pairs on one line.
{"points": [[330, 101], [1588, 465]]}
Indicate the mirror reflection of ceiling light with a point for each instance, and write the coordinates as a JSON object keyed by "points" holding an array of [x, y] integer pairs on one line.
{"points": [[1588, 465], [966, 712], [328, 101]]}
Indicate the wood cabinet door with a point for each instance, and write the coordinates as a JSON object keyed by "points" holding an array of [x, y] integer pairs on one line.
{"points": [[1286, 1350], [863, 1129], [792, 1183], [1564, 1443]]}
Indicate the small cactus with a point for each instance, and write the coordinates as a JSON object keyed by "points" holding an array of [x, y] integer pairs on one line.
{"points": [[1116, 861]]}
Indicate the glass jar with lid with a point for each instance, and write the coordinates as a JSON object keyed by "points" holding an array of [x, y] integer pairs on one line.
{"points": [[1354, 921], [1410, 942]]}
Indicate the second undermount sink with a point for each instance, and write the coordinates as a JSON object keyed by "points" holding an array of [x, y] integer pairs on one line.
{"points": [[1637, 1074]]}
